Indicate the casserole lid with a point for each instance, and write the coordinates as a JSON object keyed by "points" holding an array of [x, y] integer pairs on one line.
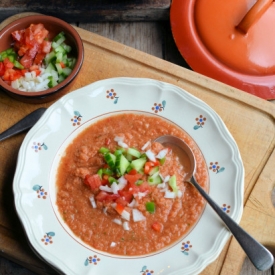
{"points": [[230, 41]]}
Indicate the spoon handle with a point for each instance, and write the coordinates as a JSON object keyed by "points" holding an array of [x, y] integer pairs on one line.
{"points": [[24, 124], [261, 258]]}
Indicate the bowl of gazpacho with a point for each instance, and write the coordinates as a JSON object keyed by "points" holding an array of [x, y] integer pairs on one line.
{"points": [[103, 193]]}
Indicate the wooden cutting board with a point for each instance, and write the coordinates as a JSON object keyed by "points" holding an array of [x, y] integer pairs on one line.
{"points": [[90, 11], [249, 119]]}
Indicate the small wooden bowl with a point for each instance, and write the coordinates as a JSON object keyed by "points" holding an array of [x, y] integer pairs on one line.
{"points": [[54, 26]]}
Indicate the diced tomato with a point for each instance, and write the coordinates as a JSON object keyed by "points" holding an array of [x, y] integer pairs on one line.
{"points": [[119, 208], [26, 61], [22, 49], [107, 141], [11, 75], [148, 165], [144, 187], [18, 35], [132, 178], [101, 196], [104, 196], [157, 226], [46, 46], [35, 68], [39, 58], [105, 180], [126, 196], [24, 71], [132, 172], [2, 69], [93, 181], [8, 64]]}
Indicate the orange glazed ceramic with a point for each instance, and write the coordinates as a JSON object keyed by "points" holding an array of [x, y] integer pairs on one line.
{"points": [[230, 41]]}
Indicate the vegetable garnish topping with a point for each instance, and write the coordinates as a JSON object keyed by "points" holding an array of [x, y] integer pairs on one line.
{"points": [[34, 63], [124, 183]]}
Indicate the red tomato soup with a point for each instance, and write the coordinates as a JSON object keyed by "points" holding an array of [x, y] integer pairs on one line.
{"points": [[121, 193]]}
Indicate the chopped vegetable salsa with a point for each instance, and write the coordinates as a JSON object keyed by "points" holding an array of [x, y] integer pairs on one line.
{"points": [[123, 193], [33, 63]]}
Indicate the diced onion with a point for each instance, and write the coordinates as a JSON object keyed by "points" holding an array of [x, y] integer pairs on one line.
{"points": [[161, 185], [122, 144], [105, 188], [179, 194], [141, 194], [118, 138], [167, 178], [113, 244], [122, 182], [105, 210], [169, 195], [146, 145], [137, 216], [114, 204], [114, 187], [125, 215], [32, 83], [117, 221], [133, 203], [92, 200], [126, 226], [150, 155], [162, 153]]}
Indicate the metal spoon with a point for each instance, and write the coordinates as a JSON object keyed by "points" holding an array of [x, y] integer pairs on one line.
{"points": [[261, 258], [24, 124]]}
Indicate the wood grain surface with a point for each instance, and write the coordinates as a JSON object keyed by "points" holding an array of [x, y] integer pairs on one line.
{"points": [[90, 11], [249, 119]]}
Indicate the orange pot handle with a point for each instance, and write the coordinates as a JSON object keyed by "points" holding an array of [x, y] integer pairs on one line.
{"points": [[254, 14]]}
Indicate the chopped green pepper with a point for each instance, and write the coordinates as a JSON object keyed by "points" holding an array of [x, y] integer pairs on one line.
{"points": [[150, 207]]}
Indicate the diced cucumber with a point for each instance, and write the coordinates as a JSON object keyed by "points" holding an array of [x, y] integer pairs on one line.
{"points": [[154, 170], [138, 164], [104, 150], [154, 179], [66, 71], [59, 57], [110, 159], [107, 171], [50, 57], [58, 36], [60, 78], [100, 172], [66, 47], [122, 164], [173, 184], [52, 82], [71, 62], [119, 151], [50, 68], [59, 68], [134, 152], [129, 157], [112, 180], [59, 49], [60, 40]]}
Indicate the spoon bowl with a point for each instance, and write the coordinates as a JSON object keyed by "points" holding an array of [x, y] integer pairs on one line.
{"points": [[261, 258]]}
